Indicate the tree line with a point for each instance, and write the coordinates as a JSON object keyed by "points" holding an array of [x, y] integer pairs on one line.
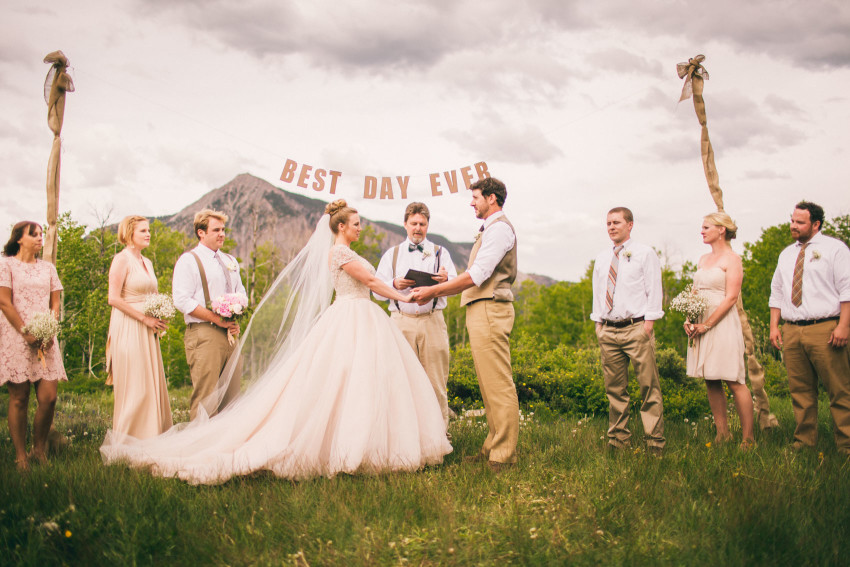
{"points": [[556, 315]]}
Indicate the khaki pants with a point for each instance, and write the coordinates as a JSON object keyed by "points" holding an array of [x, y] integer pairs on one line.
{"points": [[807, 358], [489, 324], [617, 347], [429, 339], [207, 352]]}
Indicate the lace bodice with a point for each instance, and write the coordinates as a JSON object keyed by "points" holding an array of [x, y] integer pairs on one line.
{"points": [[344, 284]]}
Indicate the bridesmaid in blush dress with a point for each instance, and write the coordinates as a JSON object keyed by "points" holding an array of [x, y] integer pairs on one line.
{"points": [[717, 350], [133, 357], [28, 285]]}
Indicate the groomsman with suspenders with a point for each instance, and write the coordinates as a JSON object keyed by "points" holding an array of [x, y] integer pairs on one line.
{"points": [[627, 301], [422, 325], [201, 275], [810, 292]]}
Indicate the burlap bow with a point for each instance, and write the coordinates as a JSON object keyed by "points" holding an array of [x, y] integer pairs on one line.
{"points": [[687, 71]]}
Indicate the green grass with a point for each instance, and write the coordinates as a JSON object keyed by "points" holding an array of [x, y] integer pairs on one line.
{"points": [[568, 502]]}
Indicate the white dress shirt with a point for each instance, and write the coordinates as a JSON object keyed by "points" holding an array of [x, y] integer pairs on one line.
{"points": [[425, 261], [638, 291], [826, 279], [187, 291], [498, 240]]}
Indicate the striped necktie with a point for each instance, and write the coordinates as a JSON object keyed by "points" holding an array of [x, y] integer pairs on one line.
{"points": [[612, 278], [797, 282], [228, 285]]}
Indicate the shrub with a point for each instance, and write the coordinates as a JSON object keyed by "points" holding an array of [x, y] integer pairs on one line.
{"points": [[568, 380]]}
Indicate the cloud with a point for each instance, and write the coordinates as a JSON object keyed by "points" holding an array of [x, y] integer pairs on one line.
{"points": [[617, 60], [765, 175], [509, 143], [813, 34], [735, 121]]}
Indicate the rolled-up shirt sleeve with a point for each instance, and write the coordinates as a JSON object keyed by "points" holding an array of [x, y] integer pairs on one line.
{"points": [[841, 265], [183, 284], [777, 293], [654, 294], [498, 240]]}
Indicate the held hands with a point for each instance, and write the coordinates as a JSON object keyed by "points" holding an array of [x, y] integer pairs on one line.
{"points": [[423, 295]]}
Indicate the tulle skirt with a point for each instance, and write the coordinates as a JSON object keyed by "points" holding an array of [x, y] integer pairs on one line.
{"points": [[352, 398]]}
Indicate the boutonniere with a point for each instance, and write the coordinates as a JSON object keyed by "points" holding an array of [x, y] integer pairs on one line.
{"points": [[628, 254], [477, 236], [231, 265], [425, 254], [815, 256]]}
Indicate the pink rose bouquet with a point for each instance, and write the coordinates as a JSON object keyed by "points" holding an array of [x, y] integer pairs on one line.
{"points": [[231, 306]]}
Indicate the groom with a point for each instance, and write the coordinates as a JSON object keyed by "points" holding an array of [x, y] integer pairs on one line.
{"points": [[486, 287], [200, 275]]}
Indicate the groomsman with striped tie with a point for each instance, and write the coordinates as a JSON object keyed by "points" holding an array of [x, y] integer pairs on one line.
{"points": [[626, 304], [810, 292]]}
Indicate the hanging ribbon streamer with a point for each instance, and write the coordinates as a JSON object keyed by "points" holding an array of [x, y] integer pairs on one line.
{"points": [[695, 76], [56, 84]]}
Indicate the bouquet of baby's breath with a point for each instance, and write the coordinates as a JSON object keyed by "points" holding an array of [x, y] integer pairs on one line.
{"points": [[159, 305], [691, 303], [43, 326]]}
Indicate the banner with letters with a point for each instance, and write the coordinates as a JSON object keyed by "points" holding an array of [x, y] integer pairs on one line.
{"points": [[394, 187]]}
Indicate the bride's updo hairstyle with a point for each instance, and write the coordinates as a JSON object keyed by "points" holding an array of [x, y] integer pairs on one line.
{"points": [[724, 220], [339, 212]]}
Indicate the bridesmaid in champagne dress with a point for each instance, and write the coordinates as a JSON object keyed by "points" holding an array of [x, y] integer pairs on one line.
{"points": [[133, 357], [717, 350]]}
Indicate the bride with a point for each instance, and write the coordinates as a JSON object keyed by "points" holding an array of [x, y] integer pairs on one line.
{"points": [[327, 388]]}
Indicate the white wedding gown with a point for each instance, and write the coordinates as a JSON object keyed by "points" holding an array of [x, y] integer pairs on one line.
{"points": [[351, 398]]}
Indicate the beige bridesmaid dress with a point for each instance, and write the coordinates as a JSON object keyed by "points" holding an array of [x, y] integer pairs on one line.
{"points": [[719, 353], [134, 362]]}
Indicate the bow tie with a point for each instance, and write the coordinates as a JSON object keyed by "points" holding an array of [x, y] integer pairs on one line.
{"points": [[413, 247]]}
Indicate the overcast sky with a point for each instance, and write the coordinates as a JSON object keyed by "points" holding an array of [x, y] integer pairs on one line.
{"points": [[571, 103]]}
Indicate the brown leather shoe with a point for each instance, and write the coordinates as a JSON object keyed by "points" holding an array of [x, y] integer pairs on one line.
{"points": [[497, 467]]}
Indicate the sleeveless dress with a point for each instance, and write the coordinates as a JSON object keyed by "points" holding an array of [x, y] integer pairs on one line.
{"points": [[719, 353], [31, 286], [353, 398], [134, 362]]}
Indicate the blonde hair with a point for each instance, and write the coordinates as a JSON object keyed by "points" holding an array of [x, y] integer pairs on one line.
{"points": [[339, 212], [128, 227], [202, 220], [724, 220]]}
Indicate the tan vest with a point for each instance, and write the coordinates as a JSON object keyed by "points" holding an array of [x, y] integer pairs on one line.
{"points": [[498, 285]]}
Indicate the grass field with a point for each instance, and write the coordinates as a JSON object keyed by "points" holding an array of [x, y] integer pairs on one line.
{"points": [[568, 502]]}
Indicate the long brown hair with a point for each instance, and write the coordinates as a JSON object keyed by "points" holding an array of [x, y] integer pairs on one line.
{"points": [[13, 246]]}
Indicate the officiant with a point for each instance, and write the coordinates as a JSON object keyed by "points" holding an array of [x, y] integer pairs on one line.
{"points": [[418, 261]]}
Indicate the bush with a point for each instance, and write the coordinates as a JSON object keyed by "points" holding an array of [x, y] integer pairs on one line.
{"points": [[568, 380]]}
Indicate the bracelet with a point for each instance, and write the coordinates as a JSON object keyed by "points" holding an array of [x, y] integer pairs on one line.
{"points": [[707, 326]]}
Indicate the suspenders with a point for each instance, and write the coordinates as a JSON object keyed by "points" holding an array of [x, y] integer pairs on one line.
{"points": [[207, 301], [437, 250]]}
